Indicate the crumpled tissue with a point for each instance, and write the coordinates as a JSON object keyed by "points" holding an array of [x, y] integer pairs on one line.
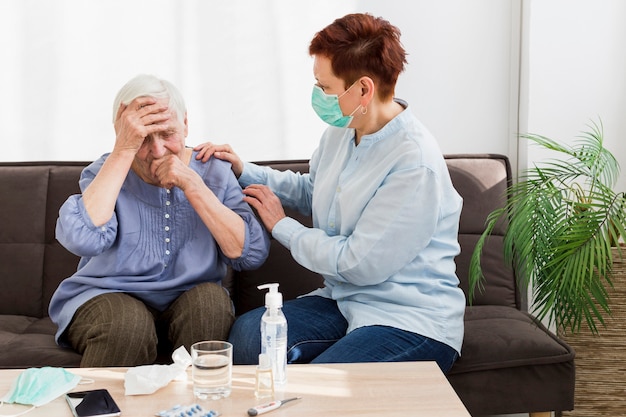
{"points": [[147, 379]]}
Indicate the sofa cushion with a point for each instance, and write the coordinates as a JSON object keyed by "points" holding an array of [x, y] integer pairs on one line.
{"points": [[21, 283], [38, 263], [29, 342], [505, 348], [482, 181], [59, 263], [503, 337], [21, 239], [520, 389]]}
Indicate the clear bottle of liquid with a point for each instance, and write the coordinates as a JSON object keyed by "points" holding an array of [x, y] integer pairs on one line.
{"points": [[264, 378], [274, 333]]}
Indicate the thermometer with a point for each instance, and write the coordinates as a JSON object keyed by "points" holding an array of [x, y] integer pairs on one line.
{"points": [[264, 408]]}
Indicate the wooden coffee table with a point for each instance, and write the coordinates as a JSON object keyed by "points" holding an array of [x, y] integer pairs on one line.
{"points": [[365, 389]]}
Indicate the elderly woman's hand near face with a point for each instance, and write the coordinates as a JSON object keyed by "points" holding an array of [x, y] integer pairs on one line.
{"points": [[139, 119], [171, 171], [133, 123]]}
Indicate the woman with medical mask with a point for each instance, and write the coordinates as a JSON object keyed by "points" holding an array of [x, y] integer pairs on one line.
{"points": [[385, 216]]}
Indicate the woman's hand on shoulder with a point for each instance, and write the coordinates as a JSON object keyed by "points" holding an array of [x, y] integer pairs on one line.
{"points": [[224, 152]]}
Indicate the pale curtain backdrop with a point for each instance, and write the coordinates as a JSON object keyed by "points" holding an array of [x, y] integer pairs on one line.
{"points": [[479, 71], [245, 71], [242, 65]]}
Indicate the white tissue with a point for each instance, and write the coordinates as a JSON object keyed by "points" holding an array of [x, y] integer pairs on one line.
{"points": [[147, 379]]}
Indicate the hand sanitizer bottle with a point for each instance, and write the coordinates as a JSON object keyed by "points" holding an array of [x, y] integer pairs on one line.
{"points": [[274, 333]]}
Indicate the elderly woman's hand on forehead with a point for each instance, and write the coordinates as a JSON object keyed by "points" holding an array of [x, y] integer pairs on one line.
{"points": [[138, 119]]}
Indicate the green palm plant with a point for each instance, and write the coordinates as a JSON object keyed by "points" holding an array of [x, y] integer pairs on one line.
{"points": [[563, 218]]}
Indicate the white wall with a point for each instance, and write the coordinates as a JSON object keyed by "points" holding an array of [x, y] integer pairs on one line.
{"points": [[459, 76], [577, 72]]}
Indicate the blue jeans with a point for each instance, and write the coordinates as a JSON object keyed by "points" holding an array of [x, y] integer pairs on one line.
{"points": [[317, 334]]}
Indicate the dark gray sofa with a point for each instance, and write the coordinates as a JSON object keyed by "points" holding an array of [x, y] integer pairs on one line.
{"points": [[510, 363]]}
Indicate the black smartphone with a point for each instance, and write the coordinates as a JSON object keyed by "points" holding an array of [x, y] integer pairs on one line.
{"points": [[94, 403]]}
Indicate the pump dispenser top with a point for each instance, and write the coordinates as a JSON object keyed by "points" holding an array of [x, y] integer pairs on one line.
{"points": [[273, 299]]}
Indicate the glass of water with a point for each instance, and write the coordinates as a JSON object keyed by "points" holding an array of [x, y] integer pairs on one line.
{"points": [[212, 369]]}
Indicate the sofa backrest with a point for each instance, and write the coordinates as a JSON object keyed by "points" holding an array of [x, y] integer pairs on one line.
{"points": [[482, 180], [32, 262]]}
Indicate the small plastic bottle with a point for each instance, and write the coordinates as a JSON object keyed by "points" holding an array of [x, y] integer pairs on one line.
{"points": [[264, 378], [274, 333]]}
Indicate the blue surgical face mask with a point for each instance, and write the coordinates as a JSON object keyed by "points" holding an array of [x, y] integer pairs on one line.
{"points": [[39, 386], [327, 107]]}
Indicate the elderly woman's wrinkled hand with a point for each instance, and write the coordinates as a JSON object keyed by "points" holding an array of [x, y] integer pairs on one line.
{"points": [[137, 120], [171, 171]]}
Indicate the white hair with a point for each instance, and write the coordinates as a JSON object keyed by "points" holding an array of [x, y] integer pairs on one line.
{"points": [[148, 85]]}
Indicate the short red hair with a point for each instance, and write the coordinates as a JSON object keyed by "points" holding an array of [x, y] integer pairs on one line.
{"points": [[362, 45]]}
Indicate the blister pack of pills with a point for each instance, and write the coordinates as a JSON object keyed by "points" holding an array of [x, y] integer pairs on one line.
{"points": [[193, 410]]}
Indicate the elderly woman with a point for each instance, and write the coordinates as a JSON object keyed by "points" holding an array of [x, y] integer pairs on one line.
{"points": [[156, 230], [385, 216]]}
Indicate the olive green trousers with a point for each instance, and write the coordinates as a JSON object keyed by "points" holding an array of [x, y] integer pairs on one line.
{"points": [[117, 329]]}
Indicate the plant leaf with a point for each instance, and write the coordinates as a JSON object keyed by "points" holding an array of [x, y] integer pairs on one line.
{"points": [[563, 217]]}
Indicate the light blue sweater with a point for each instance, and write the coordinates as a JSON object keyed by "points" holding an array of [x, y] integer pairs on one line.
{"points": [[154, 247], [385, 217]]}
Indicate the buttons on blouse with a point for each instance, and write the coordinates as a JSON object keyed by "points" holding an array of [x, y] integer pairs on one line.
{"points": [[167, 228]]}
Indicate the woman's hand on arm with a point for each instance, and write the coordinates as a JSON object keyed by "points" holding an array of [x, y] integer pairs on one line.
{"points": [[224, 152], [133, 123], [266, 203]]}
